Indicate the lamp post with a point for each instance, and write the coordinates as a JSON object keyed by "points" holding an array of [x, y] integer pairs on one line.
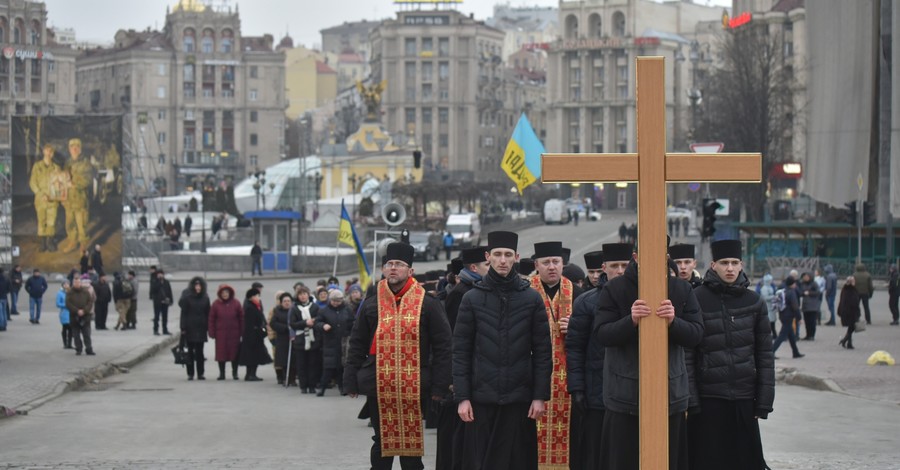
{"points": [[260, 184], [316, 182], [204, 198], [353, 179], [271, 191]]}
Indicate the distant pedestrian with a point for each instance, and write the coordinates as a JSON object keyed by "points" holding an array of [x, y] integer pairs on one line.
{"points": [[85, 262], [36, 285], [766, 290], [97, 260], [256, 258], [101, 304], [253, 349], [787, 315], [131, 319], [5, 286], [194, 304], [865, 288], [830, 291], [226, 320], [334, 323], [64, 316], [307, 346], [848, 310], [188, 223], [80, 305], [121, 294], [16, 279], [279, 323], [812, 301], [894, 294], [685, 222], [448, 244], [623, 233], [162, 299]]}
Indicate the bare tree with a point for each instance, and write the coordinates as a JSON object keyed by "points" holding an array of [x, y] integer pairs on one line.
{"points": [[751, 106]]}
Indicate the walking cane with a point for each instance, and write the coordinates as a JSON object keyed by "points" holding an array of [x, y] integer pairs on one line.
{"points": [[287, 367]]}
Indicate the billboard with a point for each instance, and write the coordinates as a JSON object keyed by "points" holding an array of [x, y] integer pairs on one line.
{"points": [[66, 190]]}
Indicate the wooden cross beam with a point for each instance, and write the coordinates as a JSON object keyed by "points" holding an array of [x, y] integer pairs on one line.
{"points": [[651, 167]]}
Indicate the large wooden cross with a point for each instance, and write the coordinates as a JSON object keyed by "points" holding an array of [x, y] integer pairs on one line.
{"points": [[651, 167]]}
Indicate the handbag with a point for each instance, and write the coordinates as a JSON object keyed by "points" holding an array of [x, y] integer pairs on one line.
{"points": [[180, 354], [859, 326]]}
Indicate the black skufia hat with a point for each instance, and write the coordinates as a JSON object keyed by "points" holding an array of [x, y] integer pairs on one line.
{"points": [[473, 255], [573, 273], [503, 239], [525, 266], [726, 249], [617, 252], [566, 255], [681, 251], [545, 249], [593, 260], [400, 252]]}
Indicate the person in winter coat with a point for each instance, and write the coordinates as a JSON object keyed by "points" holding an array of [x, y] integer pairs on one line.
{"points": [[894, 294], [80, 303], [85, 262], [253, 348], [848, 310], [15, 278], [36, 285], [4, 295], [122, 299], [355, 295], [162, 300], [334, 322], [226, 323], [787, 316], [195, 307], [766, 290], [307, 347], [830, 291], [733, 367], [864, 288], [97, 261], [64, 315], [101, 304], [811, 304], [279, 322]]}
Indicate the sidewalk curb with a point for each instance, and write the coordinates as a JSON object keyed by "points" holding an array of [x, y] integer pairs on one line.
{"points": [[791, 376], [120, 364]]}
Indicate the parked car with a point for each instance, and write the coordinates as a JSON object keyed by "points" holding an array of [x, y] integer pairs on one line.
{"points": [[427, 245]]}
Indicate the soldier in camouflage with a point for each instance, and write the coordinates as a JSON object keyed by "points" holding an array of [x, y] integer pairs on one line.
{"points": [[76, 204], [44, 183]]}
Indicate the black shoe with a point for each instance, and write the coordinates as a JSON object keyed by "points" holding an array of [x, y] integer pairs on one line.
{"points": [[831, 323], [252, 378], [303, 391], [895, 323], [167, 333], [155, 333], [200, 377], [850, 346], [281, 382], [235, 377], [77, 352], [776, 357], [843, 343], [90, 352], [190, 377], [321, 392], [798, 355], [221, 377]]}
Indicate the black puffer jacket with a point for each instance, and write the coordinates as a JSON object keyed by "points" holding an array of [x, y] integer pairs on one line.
{"points": [[454, 297], [434, 344], [501, 343], [340, 319], [194, 312], [584, 354], [614, 328], [735, 360]]}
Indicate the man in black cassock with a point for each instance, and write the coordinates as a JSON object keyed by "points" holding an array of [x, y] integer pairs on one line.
{"points": [[619, 314], [584, 356], [734, 368], [502, 361]]}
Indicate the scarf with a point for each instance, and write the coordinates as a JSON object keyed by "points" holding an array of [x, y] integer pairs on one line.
{"points": [[309, 336]]}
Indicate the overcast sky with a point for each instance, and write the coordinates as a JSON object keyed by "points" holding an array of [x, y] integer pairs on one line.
{"points": [[98, 20]]}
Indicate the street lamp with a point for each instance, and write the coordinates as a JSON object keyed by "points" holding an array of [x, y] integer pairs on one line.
{"points": [[316, 182], [203, 197], [353, 179], [260, 184]]}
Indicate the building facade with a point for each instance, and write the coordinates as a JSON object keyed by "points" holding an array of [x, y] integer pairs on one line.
{"points": [[591, 78], [525, 27], [203, 104], [37, 75], [311, 82], [444, 72]]}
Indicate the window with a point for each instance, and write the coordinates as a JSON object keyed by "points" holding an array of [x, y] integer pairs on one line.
{"points": [[189, 138], [189, 72], [443, 71], [410, 116], [207, 43], [187, 44], [226, 44], [51, 88], [443, 47], [189, 90], [597, 121], [161, 138], [35, 68], [410, 46], [161, 114], [443, 141], [161, 69], [618, 24], [51, 65], [254, 139], [254, 71], [426, 92], [427, 71], [444, 94], [426, 143], [253, 94], [426, 116], [409, 70], [254, 116], [443, 115], [427, 44], [254, 160], [410, 93], [161, 91]]}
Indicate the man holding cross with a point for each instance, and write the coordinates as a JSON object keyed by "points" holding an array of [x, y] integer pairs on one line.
{"points": [[620, 314]]}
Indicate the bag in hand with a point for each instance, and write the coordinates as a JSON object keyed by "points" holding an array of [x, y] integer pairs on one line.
{"points": [[859, 326], [181, 356]]}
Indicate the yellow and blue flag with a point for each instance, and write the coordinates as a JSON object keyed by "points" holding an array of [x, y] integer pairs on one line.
{"points": [[347, 236], [522, 158]]}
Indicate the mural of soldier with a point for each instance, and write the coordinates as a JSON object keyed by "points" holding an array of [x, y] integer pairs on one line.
{"points": [[50, 186], [76, 204]]}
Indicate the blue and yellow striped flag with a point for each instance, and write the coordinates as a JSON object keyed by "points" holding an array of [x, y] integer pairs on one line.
{"points": [[522, 158], [347, 236]]}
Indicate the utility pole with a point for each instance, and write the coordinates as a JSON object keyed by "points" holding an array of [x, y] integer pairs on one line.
{"points": [[859, 218], [885, 91]]}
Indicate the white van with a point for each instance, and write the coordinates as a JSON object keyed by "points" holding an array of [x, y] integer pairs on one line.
{"points": [[556, 212], [465, 228]]}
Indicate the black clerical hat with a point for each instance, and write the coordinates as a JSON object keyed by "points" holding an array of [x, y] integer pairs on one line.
{"points": [[726, 249], [681, 251], [401, 252], [503, 239], [473, 255], [573, 272], [525, 266], [566, 255], [455, 266], [617, 252], [545, 249], [593, 260]]}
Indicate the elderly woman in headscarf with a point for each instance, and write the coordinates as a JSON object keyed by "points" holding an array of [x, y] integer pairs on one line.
{"points": [[307, 346], [335, 321], [226, 323], [279, 322], [253, 347]]}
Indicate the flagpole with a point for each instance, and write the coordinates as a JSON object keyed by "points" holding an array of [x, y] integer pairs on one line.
{"points": [[337, 243]]}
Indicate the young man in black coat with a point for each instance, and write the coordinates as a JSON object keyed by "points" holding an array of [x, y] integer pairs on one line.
{"points": [[787, 316], [733, 366], [103, 296], [162, 299], [376, 349], [584, 355], [502, 361], [619, 314]]}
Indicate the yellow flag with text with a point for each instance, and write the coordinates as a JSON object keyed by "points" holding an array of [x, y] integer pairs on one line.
{"points": [[347, 236], [522, 158]]}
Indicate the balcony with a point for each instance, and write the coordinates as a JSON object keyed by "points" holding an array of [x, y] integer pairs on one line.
{"points": [[211, 159]]}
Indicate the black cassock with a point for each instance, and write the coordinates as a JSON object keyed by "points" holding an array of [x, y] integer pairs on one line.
{"points": [[725, 435], [620, 447], [502, 437]]}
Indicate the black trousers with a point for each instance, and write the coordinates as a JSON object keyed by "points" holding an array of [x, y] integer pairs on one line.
{"points": [[67, 336], [195, 358], [386, 463], [865, 303], [329, 373], [576, 438], [449, 447], [810, 319], [620, 448], [502, 437], [589, 447], [725, 435], [101, 310], [160, 312], [309, 367], [81, 332], [892, 304]]}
